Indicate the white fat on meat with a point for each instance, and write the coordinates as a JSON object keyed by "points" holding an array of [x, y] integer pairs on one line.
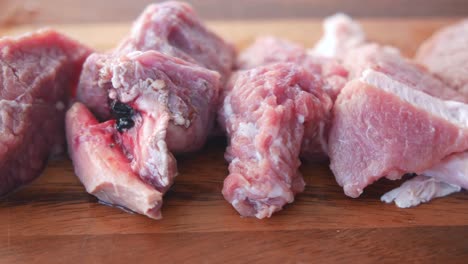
{"points": [[447, 177], [420, 189], [451, 111]]}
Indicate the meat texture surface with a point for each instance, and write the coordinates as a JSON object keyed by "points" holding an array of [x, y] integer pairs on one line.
{"points": [[171, 28], [160, 104], [38, 72], [446, 55], [265, 114], [443, 54], [268, 49], [328, 73], [345, 40], [384, 128], [389, 61], [159, 92]]}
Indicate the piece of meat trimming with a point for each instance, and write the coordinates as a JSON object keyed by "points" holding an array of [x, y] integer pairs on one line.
{"points": [[265, 114]]}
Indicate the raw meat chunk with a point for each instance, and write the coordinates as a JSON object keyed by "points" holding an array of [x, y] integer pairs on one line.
{"points": [[265, 114], [328, 73], [384, 128], [173, 103], [38, 72], [171, 28], [446, 55], [102, 166], [340, 34], [161, 85], [345, 40], [29, 134]]}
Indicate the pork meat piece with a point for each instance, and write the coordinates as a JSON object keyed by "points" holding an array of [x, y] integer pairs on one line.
{"points": [[389, 61], [172, 28], [39, 70], [161, 85], [160, 104], [265, 115], [268, 49], [448, 62], [384, 128], [446, 55], [103, 167], [340, 34], [328, 73]]}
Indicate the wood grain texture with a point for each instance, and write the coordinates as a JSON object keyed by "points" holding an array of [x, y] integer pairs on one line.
{"points": [[14, 12], [54, 220]]}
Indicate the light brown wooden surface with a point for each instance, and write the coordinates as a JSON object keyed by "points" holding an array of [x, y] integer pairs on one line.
{"points": [[54, 220], [16, 12]]}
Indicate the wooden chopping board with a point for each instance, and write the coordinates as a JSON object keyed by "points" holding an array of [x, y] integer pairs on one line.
{"points": [[53, 220]]}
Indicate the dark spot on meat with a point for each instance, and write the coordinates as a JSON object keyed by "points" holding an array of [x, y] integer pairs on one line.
{"points": [[111, 145], [124, 123], [120, 109], [123, 114]]}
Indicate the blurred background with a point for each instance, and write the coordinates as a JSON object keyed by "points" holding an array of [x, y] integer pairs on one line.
{"points": [[18, 12]]}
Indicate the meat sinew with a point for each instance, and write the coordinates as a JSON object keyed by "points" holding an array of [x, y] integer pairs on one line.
{"points": [[446, 55], [38, 72], [265, 114], [384, 128], [159, 91]]}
